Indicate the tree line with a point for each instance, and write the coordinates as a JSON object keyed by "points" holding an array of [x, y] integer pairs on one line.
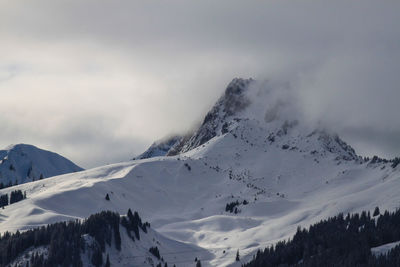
{"points": [[337, 241], [15, 196], [65, 240]]}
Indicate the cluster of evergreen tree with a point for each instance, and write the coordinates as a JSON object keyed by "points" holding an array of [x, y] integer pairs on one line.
{"points": [[232, 207], [155, 252], [16, 196], [376, 159], [337, 241], [188, 166], [395, 162], [65, 240], [3, 200], [132, 222], [2, 185]]}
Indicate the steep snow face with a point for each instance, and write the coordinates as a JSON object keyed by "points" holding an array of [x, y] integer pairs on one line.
{"points": [[25, 163], [159, 148]]}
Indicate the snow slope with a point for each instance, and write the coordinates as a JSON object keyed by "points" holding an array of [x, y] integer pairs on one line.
{"points": [[137, 253], [25, 163], [282, 173]]}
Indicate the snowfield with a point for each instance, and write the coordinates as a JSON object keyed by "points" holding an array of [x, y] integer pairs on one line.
{"points": [[282, 173], [284, 188]]}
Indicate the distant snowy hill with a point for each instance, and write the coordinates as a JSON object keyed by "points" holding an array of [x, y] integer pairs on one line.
{"points": [[248, 177], [25, 163], [160, 148]]}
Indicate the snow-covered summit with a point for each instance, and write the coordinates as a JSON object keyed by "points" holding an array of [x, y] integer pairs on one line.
{"points": [[23, 163], [248, 104]]}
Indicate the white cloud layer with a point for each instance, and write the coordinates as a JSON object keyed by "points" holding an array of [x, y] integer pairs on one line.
{"points": [[98, 81]]}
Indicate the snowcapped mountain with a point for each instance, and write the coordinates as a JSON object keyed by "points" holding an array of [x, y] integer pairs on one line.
{"points": [[25, 163], [160, 147], [252, 173]]}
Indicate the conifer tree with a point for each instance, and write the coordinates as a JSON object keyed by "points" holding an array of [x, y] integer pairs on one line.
{"points": [[376, 212], [107, 262]]}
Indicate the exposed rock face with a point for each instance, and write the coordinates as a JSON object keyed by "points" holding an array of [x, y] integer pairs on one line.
{"points": [[160, 148], [216, 121], [334, 144]]}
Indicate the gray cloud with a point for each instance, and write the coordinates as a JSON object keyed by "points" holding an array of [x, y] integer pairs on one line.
{"points": [[97, 81], [372, 140]]}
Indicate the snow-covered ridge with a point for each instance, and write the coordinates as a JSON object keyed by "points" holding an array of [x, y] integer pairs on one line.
{"points": [[267, 105], [276, 172], [25, 163]]}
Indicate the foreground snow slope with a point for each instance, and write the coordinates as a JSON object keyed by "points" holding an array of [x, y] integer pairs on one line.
{"points": [[288, 174]]}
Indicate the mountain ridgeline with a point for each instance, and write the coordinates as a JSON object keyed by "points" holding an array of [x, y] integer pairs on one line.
{"points": [[252, 173], [230, 110]]}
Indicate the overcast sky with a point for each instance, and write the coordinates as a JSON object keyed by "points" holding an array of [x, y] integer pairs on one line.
{"points": [[99, 81]]}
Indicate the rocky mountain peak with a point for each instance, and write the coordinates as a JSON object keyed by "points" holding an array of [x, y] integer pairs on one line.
{"points": [[160, 147], [233, 101], [248, 104]]}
